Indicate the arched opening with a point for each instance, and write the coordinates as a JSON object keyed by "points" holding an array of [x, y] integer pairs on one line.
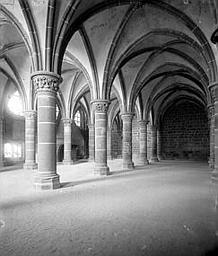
{"points": [[13, 131], [184, 132]]}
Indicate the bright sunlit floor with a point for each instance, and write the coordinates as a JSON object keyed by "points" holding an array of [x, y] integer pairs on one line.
{"points": [[169, 208]]}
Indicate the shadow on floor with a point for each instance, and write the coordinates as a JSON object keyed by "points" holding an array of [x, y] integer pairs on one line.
{"points": [[11, 168], [113, 175]]}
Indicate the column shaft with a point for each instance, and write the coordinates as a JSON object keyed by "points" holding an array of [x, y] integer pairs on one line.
{"points": [[101, 167], [127, 141], [154, 144], [67, 142], [143, 142], [214, 92], [46, 85], [109, 143], [91, 142], [1, 144], [30, 140], [211, 129], [159, 150]]}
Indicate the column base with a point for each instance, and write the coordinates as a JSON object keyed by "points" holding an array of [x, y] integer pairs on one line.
{"points": [[128, 166], [47, 183], [101, 170], [154, 160], [214, 176], [109, 157], [143, 162], [30, 166], [67, 162]]}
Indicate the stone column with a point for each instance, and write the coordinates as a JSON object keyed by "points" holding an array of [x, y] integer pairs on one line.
{"points": [[91, 142], [211, 129], [143, 142], [109, 137], [127, 141], [67, 141], [1, 143], [214, 92], [30, 139], [153, 144], [101, 107], [159, 150], [46, 85]]}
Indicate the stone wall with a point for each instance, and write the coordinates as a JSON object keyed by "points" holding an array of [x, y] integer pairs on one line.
{"points": [[184, 133], [116, 142]]}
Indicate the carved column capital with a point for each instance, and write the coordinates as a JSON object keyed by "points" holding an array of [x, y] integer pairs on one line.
{"points": [[67, 121], [30, 114], [127, 116], [210, 110], [213, 87], [46, 81], [143, 122], [100, 106]]}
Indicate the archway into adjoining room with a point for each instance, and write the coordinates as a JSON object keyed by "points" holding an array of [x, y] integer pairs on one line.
{"points": [[184, 132]]}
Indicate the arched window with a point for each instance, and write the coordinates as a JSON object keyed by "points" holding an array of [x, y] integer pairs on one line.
{"points": [[77, 118], [15, 105], [12, 150]]}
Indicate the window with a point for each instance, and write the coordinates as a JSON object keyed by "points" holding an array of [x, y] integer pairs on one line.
{"points": [[77, 118], [15, 104], [12, 150]]}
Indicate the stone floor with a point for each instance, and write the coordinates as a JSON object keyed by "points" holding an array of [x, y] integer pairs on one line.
{"points": [[168, 208]]}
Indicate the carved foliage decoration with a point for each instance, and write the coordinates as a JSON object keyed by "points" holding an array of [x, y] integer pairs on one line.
{"points": [[101, 107], [30, 115], [46, 82]]}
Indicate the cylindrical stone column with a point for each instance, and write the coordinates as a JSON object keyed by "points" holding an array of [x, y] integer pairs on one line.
{"points": [[30, 139], [46, 86], [1, 144], [127, 141], [101, 107], [153, 144], [143, 142], [109, 137], [91, 142], [159, 149], [214, 92], [211, 129], [67, 141]]}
